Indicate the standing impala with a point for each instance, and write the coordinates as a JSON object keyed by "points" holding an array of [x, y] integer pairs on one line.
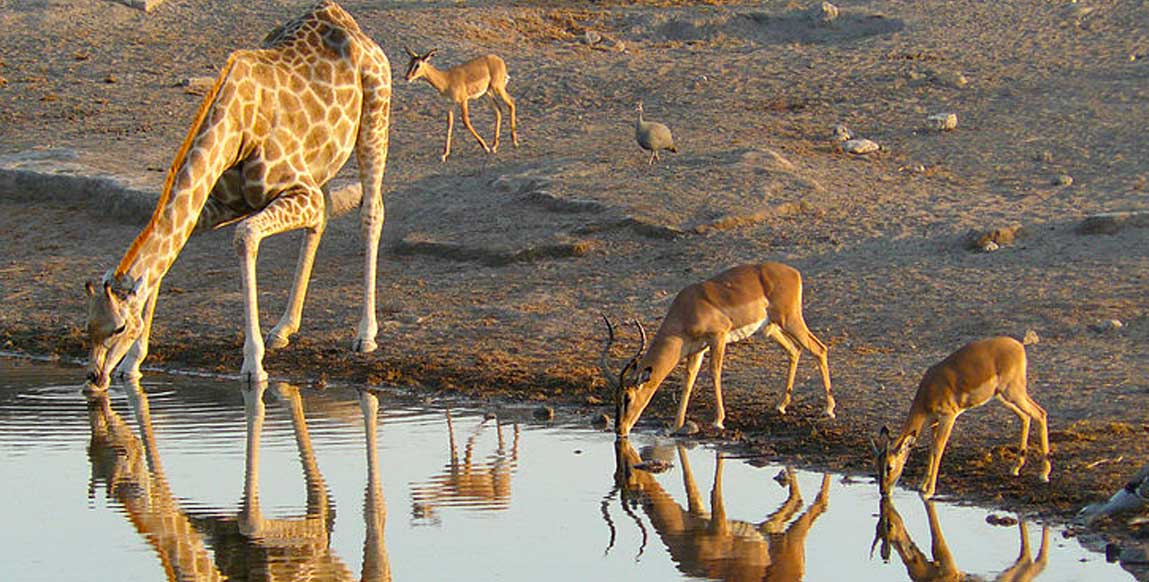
{"points": [[966, 379], [706, 316], [485, 75]]}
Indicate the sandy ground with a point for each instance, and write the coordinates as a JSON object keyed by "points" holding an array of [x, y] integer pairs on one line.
{"points": [[495, 268]]}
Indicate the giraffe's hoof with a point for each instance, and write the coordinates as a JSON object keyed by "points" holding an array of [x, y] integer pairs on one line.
{"points": [[254, 376], [365, 346], [128, 374], [830, 413], [276, 341]]}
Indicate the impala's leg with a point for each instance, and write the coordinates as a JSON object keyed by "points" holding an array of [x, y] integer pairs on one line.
{"points": [[939, 549], [501, 91], [717, 351], [801, 334], [1017, 400], [467, 122], [129, 367], [371, 153], [941, 435], [450, 129], [498, 121], [300, 207], [280, 335], [776, 521], [776, 333], [693, 364]]}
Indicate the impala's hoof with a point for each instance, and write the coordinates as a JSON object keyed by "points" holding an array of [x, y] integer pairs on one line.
{"points": [[781, 408], [365, 346], [830, 413]]}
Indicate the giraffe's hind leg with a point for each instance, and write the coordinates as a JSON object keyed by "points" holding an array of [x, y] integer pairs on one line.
{"points": [[280, 335]]}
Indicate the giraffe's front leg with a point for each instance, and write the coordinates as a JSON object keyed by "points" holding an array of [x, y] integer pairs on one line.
{"points": [[129, 367], [300, 207], [280, 335]]}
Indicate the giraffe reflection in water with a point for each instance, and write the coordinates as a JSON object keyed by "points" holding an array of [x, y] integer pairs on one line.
{"points": [[891, 532], [709, 545], [483, 485], [246, 546]]}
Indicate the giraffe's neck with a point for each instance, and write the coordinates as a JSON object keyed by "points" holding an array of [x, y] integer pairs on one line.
{"points": [[211, 146]]}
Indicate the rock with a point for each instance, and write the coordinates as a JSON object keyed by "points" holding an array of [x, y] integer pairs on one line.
{"points": [[824, 13], [688, 428], [591, 37], [1030, 338], [654, 466], [544, 413], [860, 147], [1063, 180], [942, 121], [1107, 325], [1003, 521], [997, 237], [197, 85], [948, 78], [841, 133], [600, 421], [1113, 222], [593, 400]]}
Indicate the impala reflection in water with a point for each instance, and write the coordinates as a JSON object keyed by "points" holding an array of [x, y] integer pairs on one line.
{"points": [[708, 544], [246, 546]]}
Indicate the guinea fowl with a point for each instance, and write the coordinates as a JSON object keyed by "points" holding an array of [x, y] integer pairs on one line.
{"points": [[1134, 495], [652, 136]]}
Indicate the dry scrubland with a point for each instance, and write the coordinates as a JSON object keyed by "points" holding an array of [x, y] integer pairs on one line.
{"points": [[495, 268]]}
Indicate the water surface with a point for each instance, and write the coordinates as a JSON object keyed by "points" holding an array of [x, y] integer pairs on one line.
{"points": [[200, 479]]}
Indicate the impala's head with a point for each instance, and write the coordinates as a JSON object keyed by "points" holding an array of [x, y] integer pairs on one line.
{"points": [[416, 67], [630, 386], [114, 323], [890, 458]]}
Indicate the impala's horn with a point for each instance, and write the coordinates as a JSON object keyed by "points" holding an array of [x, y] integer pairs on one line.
{"points": [[604, 359], [411, 53], [633, 363]]}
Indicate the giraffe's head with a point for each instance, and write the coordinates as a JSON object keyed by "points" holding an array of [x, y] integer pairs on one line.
{"points": [[417, 67], [114, 323]]}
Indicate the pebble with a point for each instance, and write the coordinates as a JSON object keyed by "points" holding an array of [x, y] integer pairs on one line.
{"points": [[860, 146], [1004, 520], [1063, 180], [953, 79], [688, 428], [989, 247], [544, 413], [1031, 338], [826, 13], [1107, 325], [841, 133], [943, 121], [600, 421], [654, 466]]}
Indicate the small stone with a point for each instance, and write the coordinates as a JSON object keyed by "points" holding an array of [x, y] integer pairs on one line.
{"points": [[1030, 338], [860, 147], [1003, 521], [111, 78], [688, 428], [1107, 325], [841, 133], [600, 421], [591, 37], [490, 416], [999, 237], [1063, 180], [989, 247], [952, 79], [825, 13], [593, 400], [544, 413], [942, 121], [654, 466]]}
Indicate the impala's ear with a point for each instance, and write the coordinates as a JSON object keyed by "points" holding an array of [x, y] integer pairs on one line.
{"points": [[876, 452], [90, 288], [430, 54]]}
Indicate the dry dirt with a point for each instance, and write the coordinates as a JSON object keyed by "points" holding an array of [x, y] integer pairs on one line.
{"points": [[495, 268]]}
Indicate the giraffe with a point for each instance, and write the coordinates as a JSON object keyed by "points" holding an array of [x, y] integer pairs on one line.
{"points": [[277, 125]]}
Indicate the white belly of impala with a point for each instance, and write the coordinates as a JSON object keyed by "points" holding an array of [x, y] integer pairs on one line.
{"points": [[741, 333]]}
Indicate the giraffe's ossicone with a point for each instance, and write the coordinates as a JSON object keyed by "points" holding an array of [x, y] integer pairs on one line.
{"points": [[277, 125]]}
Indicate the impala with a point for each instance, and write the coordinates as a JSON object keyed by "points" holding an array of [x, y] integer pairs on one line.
{"points": [[485, 75], [706, 316], [966, 379]]}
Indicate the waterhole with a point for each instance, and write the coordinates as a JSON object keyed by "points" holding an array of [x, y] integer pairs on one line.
{"points": [[184, 478]]}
